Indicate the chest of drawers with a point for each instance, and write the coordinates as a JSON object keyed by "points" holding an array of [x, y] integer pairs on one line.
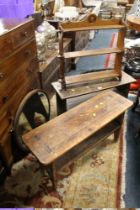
{"points": [[18, 75]]}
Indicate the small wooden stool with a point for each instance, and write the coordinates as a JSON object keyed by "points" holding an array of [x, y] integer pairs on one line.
{"points": [[65, 137]]}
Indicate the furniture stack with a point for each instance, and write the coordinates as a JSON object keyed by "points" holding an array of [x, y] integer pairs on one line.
{"points": [[18, 75], [78, 85], [92, 121]]}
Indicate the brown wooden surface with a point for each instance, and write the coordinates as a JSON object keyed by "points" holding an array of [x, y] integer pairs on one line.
{"points": [[92, 52], [86, 145], [93, 76], [91, 23], [48, 71], [18, 75], [119, 56], [133, 23], [17, 34], [86, 25], [71, 92], [53, 55], [122, 2], [58, 136]]}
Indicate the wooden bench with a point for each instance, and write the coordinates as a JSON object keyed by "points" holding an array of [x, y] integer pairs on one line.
{"points": [[65, 137]]}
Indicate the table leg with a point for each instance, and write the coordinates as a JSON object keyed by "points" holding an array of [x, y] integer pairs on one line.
{"points": [[51, 172], [124, 90], [118, 131], [61, 105]]}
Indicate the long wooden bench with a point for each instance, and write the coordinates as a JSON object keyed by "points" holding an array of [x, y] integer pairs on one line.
{"points": [[63, 138]]}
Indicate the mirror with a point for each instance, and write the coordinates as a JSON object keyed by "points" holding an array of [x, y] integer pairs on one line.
{"points": [[33, 111]]}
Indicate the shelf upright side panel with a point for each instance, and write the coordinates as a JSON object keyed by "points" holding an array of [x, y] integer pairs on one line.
{"points": [[62, 61], [119, 56]]}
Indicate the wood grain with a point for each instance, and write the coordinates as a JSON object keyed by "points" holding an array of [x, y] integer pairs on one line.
{"points": [[94, 52], [91, 87], [133, 23], [58, 136], [93, 76], [96, 25], [18, 75]]}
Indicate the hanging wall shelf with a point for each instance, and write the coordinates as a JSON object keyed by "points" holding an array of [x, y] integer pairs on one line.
{"points": [[91, 23]]}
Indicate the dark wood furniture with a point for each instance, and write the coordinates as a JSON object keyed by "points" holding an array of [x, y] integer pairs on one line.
{"points": [[63, 138], [75, 3], [18, 75], [92, 22], [122, 2], [62, 96], [49, 70], [133, 23]]}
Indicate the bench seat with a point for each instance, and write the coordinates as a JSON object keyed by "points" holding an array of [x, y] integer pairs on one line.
{"points": [[97, 117]]}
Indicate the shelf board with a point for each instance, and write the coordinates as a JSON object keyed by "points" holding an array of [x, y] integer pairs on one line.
{"points": [[92, 52], [91, 77], [92, 28], [98, 24], [80, 90]]}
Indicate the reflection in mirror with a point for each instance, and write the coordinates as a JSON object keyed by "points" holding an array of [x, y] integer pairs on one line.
{"points": [[33, 111]]}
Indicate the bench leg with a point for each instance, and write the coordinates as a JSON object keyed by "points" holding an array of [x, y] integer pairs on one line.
{"points": [[61, 105], [51, 172], [118, 131], [124, 90], [117, 134]]}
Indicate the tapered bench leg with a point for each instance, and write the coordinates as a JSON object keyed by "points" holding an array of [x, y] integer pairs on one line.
{"points": [[52, 175], [117, 132], [61, 105]]}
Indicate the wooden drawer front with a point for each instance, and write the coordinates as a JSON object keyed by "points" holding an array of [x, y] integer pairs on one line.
{"points": [[17, 96], [4, 121], [47, 84], [23, 72], [22, 58], [22, 84], [22, 34], [50, 69], [9, 108], [6, 46], [3, 94], [6, 148]]}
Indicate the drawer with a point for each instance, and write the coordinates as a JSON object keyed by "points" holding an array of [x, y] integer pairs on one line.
{"points": [[2, 172], [4, 121], [20, 58], [24, 70], [3, 94], [15, 97], [6, 46], [22, 34], [6, 148], [50, 69]]}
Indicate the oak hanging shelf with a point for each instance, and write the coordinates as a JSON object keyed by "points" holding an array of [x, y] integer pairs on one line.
{"points": [[92, 22]]}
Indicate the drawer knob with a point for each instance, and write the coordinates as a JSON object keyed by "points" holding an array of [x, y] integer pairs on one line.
{"points": [[30, 70], [5, 99], [1, 75], [28, 53], [25, 34]]}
